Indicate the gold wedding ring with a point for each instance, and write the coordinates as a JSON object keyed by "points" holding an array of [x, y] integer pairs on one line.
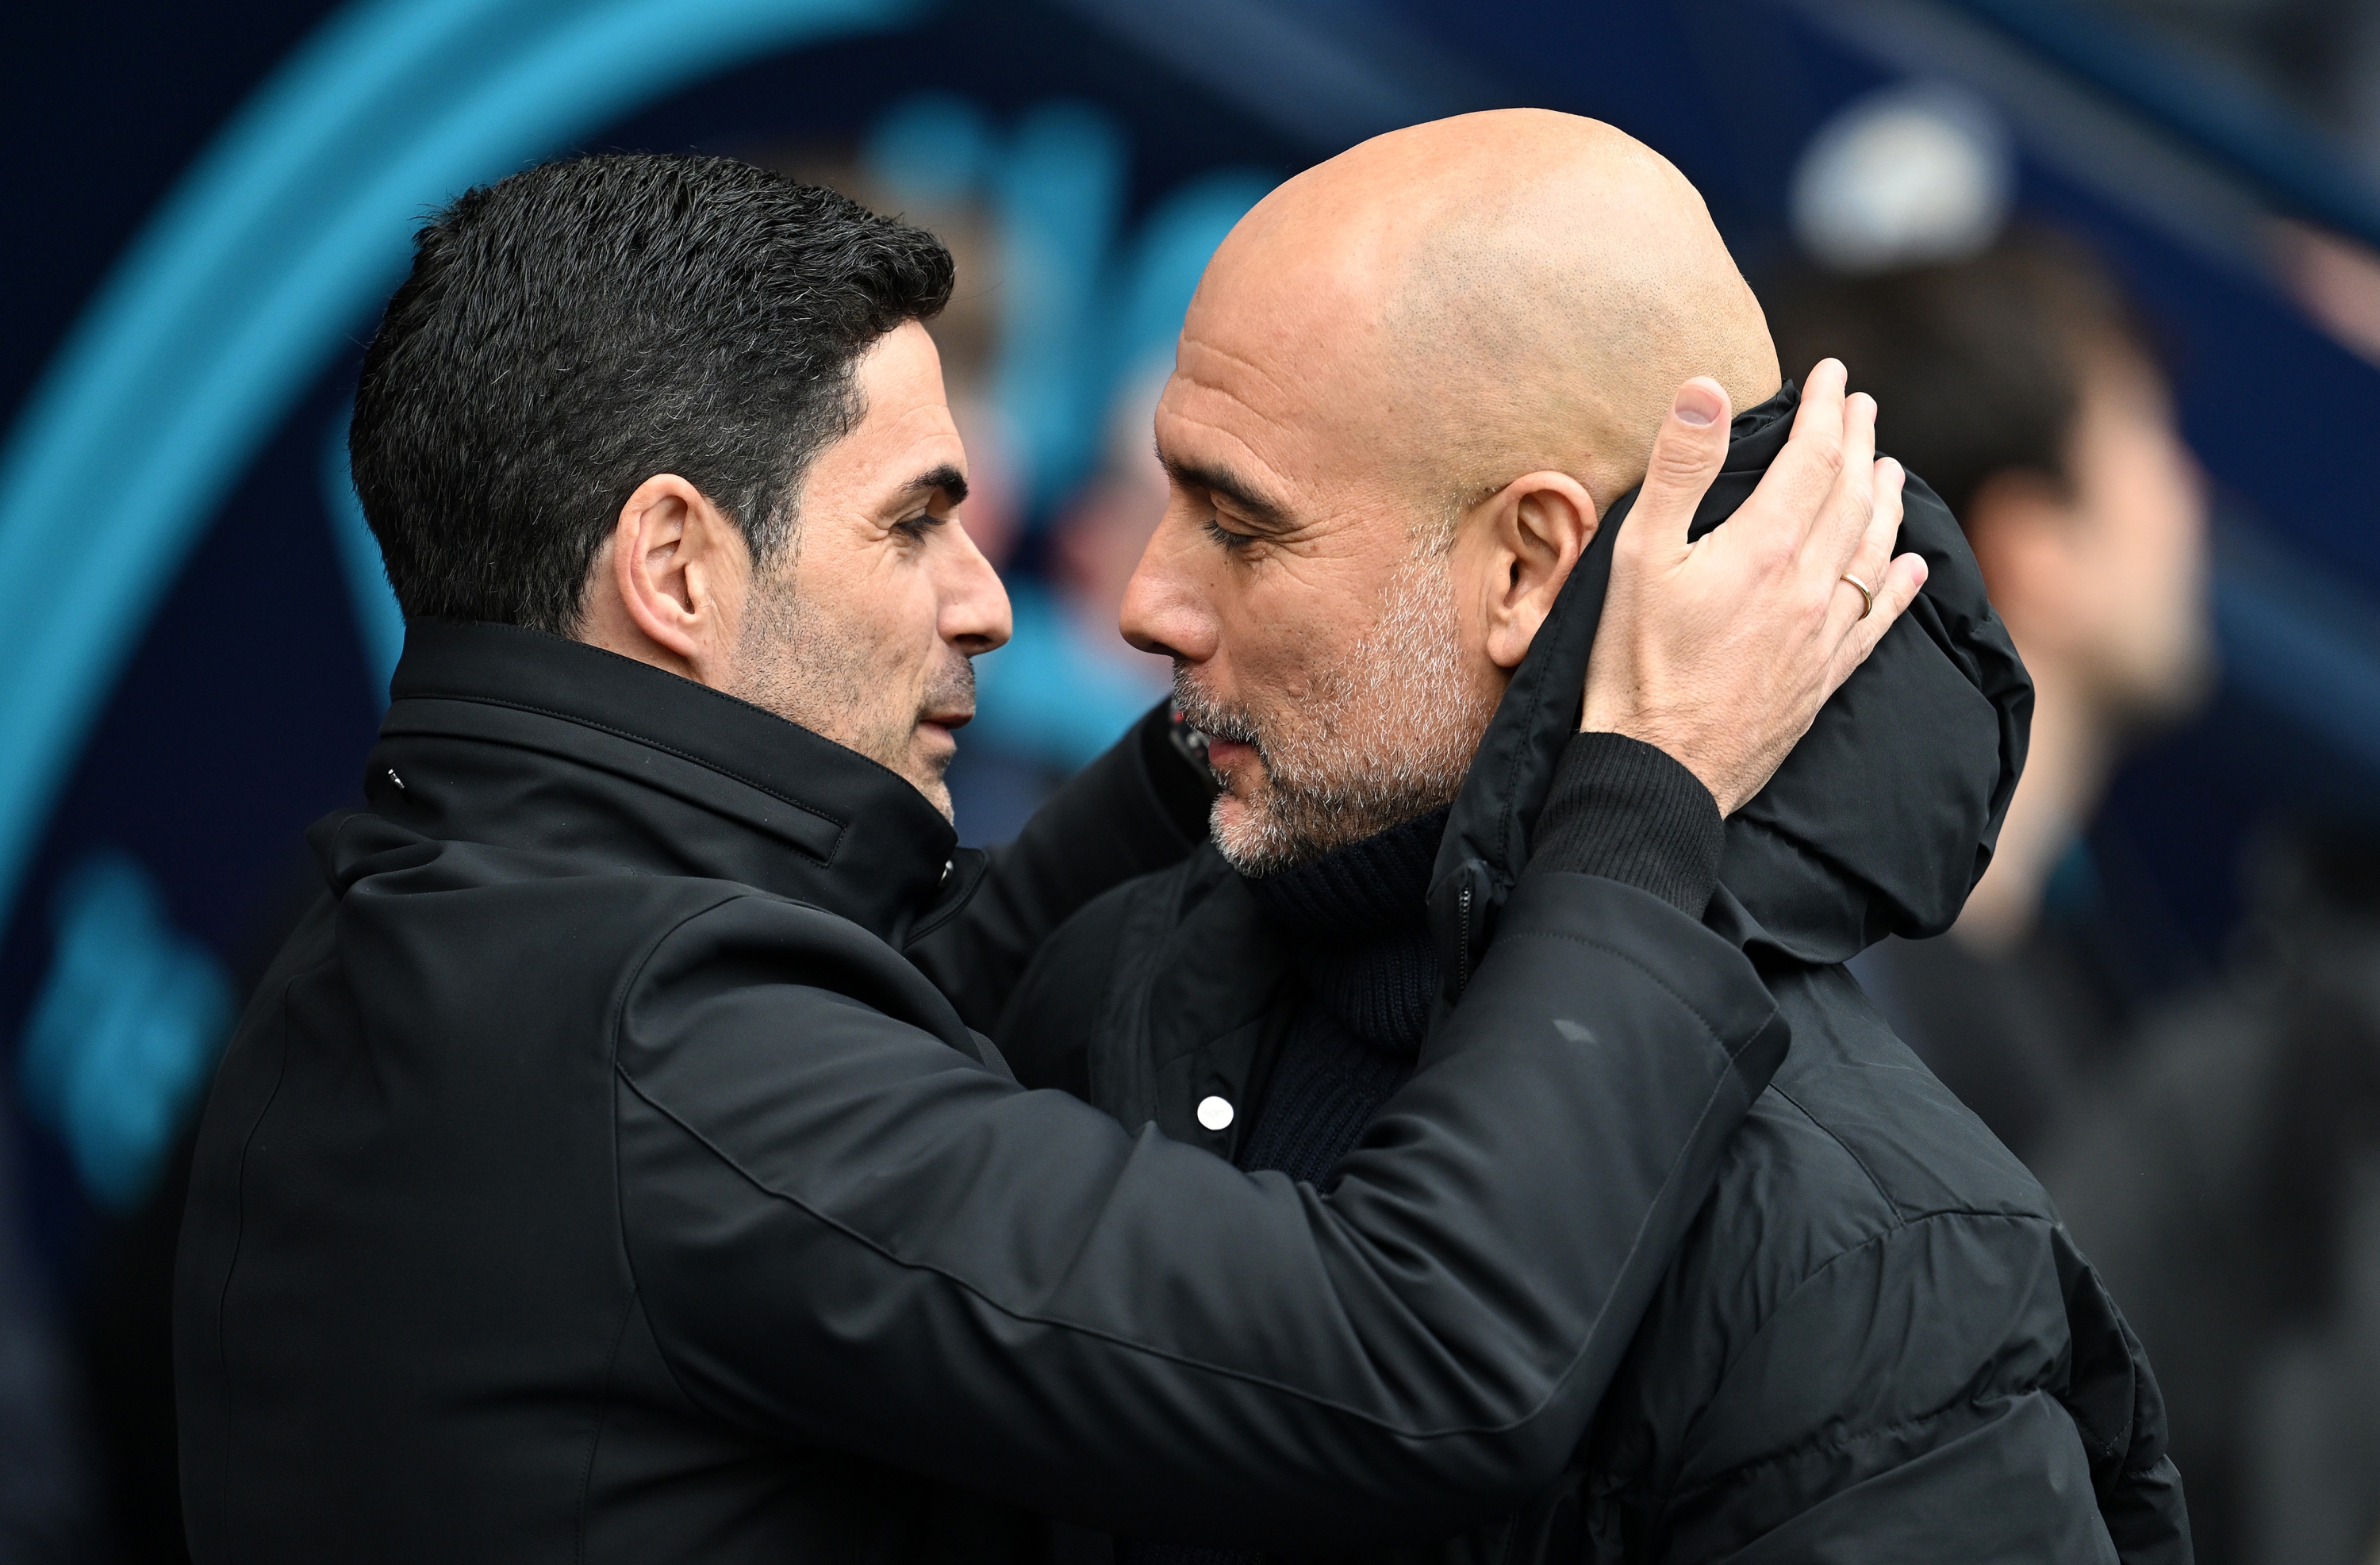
{"points": [[1867, 598]]}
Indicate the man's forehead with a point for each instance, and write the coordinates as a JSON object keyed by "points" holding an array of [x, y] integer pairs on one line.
{"points": [[1236, 424], [1216, 367], [905, 441], [1291, 386]]}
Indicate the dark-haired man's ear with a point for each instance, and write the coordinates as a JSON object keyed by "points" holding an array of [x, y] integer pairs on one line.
{"points": [[1527, 536], [668, 586]]}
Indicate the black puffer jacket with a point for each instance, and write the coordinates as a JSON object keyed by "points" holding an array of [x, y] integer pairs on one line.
{"points": [[1878, 1342], [606, 1170]]}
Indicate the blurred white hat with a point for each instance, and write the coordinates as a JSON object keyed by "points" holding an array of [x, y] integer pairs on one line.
{"points": [[1918, 173]]}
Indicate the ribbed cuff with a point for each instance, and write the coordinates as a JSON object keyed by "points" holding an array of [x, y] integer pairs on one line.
{"points": [[1623, 809]]}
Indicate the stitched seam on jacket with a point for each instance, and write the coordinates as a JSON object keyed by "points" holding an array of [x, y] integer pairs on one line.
{"points": [[619, 1169], [1847, 1438], [602, 1415], [239, 1230], [977, 1292], [1859, 1162], [1811, 1441]]}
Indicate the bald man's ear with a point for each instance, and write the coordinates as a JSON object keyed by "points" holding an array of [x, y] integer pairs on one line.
{"points": [[1529, 535]]}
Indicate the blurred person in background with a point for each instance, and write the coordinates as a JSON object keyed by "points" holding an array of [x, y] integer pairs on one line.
{"points": [[2019, 384], [2227, 1178]]}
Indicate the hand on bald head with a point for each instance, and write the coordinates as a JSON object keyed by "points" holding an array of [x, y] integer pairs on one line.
{"points": [[1412, 380]]}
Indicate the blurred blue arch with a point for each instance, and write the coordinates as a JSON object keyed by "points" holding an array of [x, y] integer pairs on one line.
{"points": [[283, 233]]}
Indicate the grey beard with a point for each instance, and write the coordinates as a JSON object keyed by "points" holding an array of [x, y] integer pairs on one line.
{"points": [[1385, 736]]}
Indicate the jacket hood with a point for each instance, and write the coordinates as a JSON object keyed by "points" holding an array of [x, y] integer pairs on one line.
{"points": [[1881, 820]]}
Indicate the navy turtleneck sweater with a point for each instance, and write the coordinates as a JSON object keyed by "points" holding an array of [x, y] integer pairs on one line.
{"points": [[1356, 922]]}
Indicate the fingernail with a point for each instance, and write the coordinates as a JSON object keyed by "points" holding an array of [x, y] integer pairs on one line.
{"points": [[1697, 405]]}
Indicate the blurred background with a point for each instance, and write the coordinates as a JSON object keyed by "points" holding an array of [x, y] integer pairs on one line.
{"points": [[2110, 264]]}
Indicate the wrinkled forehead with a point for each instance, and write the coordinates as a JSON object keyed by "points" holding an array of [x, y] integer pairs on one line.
{"points": [[1289, 362]]}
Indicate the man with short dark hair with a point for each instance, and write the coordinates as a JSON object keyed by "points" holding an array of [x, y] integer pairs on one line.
{"points": [[2024, 385], [606, 1169]]}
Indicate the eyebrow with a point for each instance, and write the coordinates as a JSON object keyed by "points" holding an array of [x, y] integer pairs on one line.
{"points": [[949, 479], [1265, 512]]}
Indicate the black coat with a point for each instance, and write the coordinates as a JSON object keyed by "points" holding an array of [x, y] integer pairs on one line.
{"points": [[604, 1171], [1878, 1342]]}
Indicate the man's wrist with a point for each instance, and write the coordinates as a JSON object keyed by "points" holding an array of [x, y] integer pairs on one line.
{"points": [[1628, 811]]}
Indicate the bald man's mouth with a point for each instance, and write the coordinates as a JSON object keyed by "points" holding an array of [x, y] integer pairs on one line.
{"points": [[1232, 741]]}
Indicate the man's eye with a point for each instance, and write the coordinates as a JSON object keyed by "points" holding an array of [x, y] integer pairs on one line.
{"points": [[1231, 542], [917, 526]]}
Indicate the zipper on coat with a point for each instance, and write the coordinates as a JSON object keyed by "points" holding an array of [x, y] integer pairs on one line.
{"points": [[1462, 943]]}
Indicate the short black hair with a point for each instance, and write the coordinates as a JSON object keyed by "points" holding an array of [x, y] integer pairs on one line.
{"points": [[569, 332], [1977, 366]]}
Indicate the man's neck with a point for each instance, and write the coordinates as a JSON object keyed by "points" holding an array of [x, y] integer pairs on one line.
{"points": [[2066, 770]]}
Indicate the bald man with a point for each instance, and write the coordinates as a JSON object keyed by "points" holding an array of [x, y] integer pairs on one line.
{"points": [[1412, 438]]}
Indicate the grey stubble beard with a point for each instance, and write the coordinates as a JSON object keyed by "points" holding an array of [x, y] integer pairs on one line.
{"points": [[1385, 734]]}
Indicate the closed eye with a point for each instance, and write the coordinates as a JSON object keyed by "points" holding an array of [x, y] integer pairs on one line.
{"points": [[1231, 542]]}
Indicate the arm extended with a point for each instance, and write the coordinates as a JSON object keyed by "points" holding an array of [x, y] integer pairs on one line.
{"points": [[848, 1232]]}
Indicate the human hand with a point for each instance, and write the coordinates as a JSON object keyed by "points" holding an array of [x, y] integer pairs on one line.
{"points": [[1721, 652]]}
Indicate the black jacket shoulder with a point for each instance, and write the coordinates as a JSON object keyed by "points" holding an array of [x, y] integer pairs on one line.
{"points": [[1878, 1342]]}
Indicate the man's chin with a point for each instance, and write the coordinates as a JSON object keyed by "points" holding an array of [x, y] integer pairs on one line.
{"points": [[1244, 834], [932, 748]]}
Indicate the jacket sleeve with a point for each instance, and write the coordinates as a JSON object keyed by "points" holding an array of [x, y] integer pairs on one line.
{"points": [[1137, 807], [1984, 1404], [845, 1232]]}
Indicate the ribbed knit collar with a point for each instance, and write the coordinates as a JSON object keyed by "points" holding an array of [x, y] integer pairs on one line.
{"points": [[1358, 921]]}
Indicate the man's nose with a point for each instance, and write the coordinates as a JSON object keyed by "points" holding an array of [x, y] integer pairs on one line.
{"points": [[1164, 608], [975, 616]]}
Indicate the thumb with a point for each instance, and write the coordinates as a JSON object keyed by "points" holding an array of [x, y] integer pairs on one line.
{"points": [[1687, 455]]}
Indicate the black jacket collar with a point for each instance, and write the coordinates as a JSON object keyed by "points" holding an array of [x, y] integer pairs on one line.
{"points": [[1880, 822], [518, 739]]}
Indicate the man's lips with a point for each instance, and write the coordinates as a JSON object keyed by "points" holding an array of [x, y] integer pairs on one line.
{"points": [[946, 720], [1221, 753]]}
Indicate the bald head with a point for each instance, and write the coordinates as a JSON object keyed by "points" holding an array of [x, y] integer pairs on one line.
{"points": [[1411, 383], [1476, 298]]}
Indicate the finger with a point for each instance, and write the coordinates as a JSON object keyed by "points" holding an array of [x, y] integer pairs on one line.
{"points": [[1843, 525], [1822, 398], [1902, 581], [1688, 452], [1800, 483], [1885, 514], [1873, 558]]}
